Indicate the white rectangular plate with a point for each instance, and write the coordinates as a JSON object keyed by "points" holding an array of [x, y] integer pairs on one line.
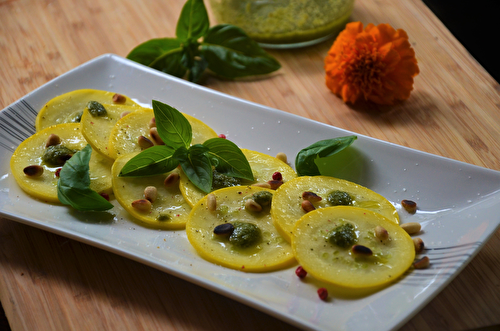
{"points": [[458, 202]]}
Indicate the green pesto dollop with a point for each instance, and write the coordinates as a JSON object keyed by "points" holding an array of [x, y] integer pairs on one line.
{"points": [[263, 198], [163, 217], [96, 109], [339, 198], [57, 155], [244, 234], [75, 117], [220, 180], [343, 235]]}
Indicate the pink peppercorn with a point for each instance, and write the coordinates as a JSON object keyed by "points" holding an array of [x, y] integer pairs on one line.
{"points": [[323, 293], [300, 272], [104, 195], [222, 135], [58, 172], [277, 176]]}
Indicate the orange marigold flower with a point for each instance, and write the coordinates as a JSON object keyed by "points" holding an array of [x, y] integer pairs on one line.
{"points": [[376, 63]]}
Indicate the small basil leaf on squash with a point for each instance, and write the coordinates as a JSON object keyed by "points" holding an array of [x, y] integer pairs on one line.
{"points": [[73, 187], [196, 165], [155, 160], [305, 162], [230, 160]]}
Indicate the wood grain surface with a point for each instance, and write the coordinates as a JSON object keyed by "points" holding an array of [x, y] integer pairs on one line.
{"points": [[48, 282]]}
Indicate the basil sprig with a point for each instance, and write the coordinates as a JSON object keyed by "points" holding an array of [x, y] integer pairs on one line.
{"points": [[73, 187], [197, 161], [307, 158], [224, 49]]}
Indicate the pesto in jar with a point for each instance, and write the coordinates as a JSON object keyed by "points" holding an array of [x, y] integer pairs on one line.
{"points": [[285, 22]]}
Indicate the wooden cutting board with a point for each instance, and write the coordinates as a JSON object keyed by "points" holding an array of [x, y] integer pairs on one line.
{"points": [[50, 282]]}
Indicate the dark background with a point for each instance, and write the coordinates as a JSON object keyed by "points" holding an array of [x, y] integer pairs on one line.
{"points": [[476, 25]]}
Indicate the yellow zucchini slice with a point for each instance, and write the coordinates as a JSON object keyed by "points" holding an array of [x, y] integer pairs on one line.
{"points": [[263, 167], [328, 262], [30, 152], [269, 252], [287, 204], [168, 211], [68, 107], [125, 134], [97, 129]]}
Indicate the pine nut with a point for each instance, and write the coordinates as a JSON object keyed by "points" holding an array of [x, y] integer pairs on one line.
{"points": [[423, 263], [281, 156], [409, 206], [311, 196], [381, 233], [171, 180], [252, 205], [144, 142], [411, 227], [153, 132], [419, 245], [152, 123], [150, 193], [142, 205], [264, 185], [118, 98], [33, 171], [307, 206], [274, 184], [52, 140], [211, 202]]}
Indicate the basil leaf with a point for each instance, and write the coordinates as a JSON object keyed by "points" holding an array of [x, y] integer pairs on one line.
{"points": [[196, 71], [230, 160], [191, 59], [162, 54], [230, 53], [193, 21], [73, 187], [196, 165], [174, 129], [305, 162], [155, 160]]}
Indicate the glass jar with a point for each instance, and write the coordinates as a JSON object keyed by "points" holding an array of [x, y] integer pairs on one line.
{"points": [[285, 23]]}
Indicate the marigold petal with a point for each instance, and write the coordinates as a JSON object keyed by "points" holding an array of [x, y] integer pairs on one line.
{"points": [[376, 63]]}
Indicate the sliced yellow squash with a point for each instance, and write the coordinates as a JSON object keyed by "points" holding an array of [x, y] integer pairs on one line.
{"points": [[263, 167], [167, 211], [97, 129], [68, 107], [44, 187], [327, 260], [125, 134], [287, 204], [269, 251]]}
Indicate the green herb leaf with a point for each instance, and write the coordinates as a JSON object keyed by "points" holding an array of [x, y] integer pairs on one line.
{"points": [[192, 60], [174, 129], [305, 162], [162, 54], [196, 165], [155, 160], [73, 187], [193, 21], [229, 159], [230, 53]]}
